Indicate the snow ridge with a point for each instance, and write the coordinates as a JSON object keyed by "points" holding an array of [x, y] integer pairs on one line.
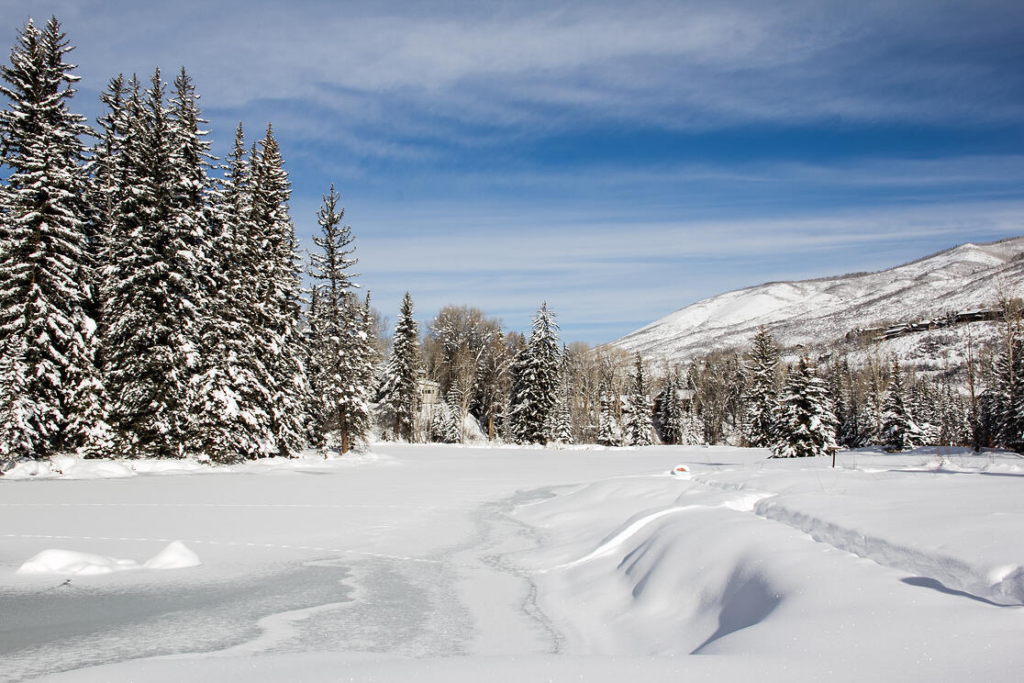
{"points": [[950, 572], [966, 277]]}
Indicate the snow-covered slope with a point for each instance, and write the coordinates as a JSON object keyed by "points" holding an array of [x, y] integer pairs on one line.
{"points": [[817, 312]]}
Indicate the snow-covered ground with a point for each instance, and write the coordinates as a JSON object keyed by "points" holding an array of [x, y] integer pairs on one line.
{"points": [[442, 563]]}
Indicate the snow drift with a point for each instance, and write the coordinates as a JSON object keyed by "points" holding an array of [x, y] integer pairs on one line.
{"points": [[73, 563]]}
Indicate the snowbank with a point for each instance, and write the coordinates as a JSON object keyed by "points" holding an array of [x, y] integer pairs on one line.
{"points": [[73, 563], [67, 467]]}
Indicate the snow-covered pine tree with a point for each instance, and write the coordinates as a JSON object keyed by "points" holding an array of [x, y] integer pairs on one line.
{"points": [[608, 429], [692, 431], [954, 418], [453, 420], [670, 413], [762, 396], [363, 358], [51, 398], [846, 405], [338, 336], [535, 386], [157, 283], [441, 421], [638, 428], [398, 395], [899, 431], [279, 302], [923, 403], [559, 427], [233, 385], [1007, 394], [222, 425], [806, 425], [316, 419]]}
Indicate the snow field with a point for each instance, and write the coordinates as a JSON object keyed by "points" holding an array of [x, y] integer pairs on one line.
{"points": [[720, 569], [443, 563]]}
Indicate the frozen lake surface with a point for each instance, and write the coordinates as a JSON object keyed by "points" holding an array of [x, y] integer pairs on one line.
{"points": [[446, 563]]}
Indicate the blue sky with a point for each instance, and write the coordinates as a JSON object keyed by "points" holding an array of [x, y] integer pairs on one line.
{"points": [[619, 160]]}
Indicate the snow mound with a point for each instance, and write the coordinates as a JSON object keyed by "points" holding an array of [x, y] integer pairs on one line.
{"points": [[68, 467], [175, 556], [66, 562], [71, 562]]}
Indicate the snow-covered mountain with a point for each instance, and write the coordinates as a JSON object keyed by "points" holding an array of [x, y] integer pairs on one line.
{"points": [[819, 312]]}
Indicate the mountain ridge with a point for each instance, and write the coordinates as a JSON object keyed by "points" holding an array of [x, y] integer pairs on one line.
{"points": [[823, 311]]}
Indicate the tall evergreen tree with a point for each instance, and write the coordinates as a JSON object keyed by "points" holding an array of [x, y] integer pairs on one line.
{"points": [[899, 431], [847, 406], [338, 335], [639, 427], [398, 395], [157, 281], [608, 431], [50, 391], [234, 420], [279, 306], [535, 389], [806, 424], [670, 413], [762, 391], [1007, 394]]}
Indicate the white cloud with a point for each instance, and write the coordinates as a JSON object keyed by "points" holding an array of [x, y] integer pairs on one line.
{"points": [[620, 272], [693, 65]]}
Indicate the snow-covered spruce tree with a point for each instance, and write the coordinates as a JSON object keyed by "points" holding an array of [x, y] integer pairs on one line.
{"points": [[398, 395], [762, 396], [278, 296], [1007, 395], [899, 431], [608, 428], [158, 280], [361, 359], [51, 397], [639, 427], [922, 401], [222, 425], [535, 385], [806, 425], [233, 384], [339, 343], [692, 430], [670, 413], [444, 424], [559, 427], [846, 405]]}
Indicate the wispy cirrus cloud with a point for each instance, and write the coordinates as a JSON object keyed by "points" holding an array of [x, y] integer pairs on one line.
{"points": [[694, 65]]}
